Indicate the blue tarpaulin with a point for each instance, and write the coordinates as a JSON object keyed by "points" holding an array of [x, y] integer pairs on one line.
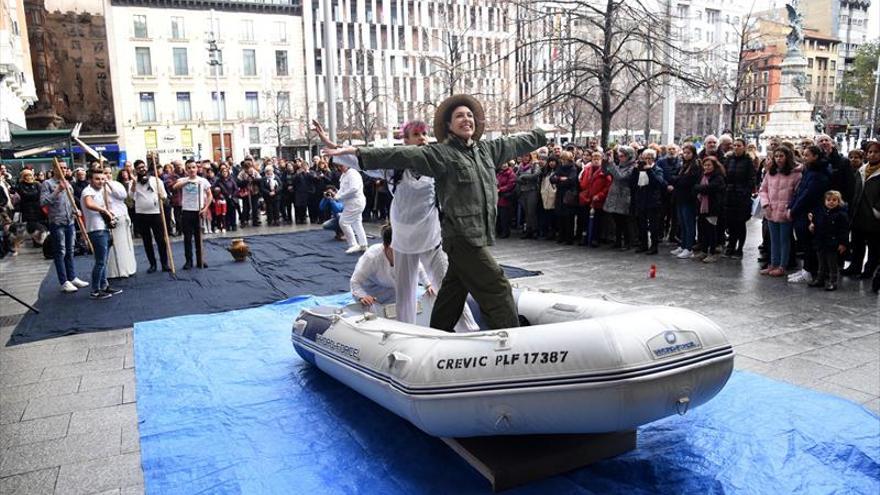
{"points": [[226, 406]]}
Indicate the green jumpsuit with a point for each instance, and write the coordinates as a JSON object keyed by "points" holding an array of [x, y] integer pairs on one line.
{"points": [[464, 177]]}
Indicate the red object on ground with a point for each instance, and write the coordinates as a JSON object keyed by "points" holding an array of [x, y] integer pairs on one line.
{"points": [[652, 273]]}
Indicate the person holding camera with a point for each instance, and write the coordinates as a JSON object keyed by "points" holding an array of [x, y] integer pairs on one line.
{"points": [[99, 220]]}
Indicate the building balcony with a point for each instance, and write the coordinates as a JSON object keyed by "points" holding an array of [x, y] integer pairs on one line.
{"points": [[152, 75], [288, 7]]}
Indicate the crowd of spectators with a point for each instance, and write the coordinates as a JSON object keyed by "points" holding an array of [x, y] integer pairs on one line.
{"points": [[820, 210]]}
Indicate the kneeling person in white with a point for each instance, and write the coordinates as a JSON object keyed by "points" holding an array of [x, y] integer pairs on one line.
{"points": [[374, 277]]}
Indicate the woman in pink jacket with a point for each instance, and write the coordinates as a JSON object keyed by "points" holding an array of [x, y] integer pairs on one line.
{"points": [[780, 182]]}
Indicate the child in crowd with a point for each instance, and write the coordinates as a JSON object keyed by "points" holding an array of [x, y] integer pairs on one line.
{"points": [[830, 226], [219, 209], [710, 198]]}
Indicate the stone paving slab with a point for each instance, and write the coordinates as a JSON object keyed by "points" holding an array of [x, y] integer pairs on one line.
{"points": [[40, 482], [57, 452], [100, 475], [81, 401], [39, 389], [68, 417], [32, 431]]}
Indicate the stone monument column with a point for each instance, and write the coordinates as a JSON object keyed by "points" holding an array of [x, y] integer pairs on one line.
{"points": [[791, 116]]}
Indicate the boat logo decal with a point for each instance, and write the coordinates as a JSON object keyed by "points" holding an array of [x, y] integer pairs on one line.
{"points": [[337, 347], [673, 342]]}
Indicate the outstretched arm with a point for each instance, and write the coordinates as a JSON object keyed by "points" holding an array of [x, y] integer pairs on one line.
{"points": [[418, 158], [507, 148]]}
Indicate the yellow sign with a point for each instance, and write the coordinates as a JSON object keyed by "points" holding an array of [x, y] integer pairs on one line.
{"points": [[186, 138], [151, 139]]}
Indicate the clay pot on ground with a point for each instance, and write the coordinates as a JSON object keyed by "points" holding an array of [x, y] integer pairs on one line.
{"points": [[239, 249]]}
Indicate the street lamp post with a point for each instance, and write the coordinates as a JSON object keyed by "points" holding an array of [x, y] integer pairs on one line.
{"points": [[330, 67], [215, 60], [874, 105]]}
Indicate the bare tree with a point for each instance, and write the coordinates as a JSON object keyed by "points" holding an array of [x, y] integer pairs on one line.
{"points": [[279, 117], [748, 58], [607, 42], [361, 109]]}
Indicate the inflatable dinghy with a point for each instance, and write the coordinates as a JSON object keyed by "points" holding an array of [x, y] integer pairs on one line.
{"points": [[575, 366]]}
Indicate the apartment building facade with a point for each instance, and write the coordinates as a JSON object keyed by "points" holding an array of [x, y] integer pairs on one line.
{"points": [[396, 60], [187, 76], [17, 90]]}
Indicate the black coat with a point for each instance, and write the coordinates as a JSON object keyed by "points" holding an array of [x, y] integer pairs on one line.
{"points": [[842, 178], [569, 171], [29, 205], [684, 181], [739, 185], [305, 185], [714, 190], [808, 195], [832, 228], [650, 196], [264, 189]]}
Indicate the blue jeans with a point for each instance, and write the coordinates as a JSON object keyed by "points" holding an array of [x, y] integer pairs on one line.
{"points": [[687, 224], [101, 243], [780, 243], [63, 237], [332, 224]]}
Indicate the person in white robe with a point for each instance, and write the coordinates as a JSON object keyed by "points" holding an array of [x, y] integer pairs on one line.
{"points": [[121, 262]]}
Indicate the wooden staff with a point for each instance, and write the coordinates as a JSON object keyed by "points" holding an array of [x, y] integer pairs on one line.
{"points": [[200, 253], [76, 213], [162, 216]]}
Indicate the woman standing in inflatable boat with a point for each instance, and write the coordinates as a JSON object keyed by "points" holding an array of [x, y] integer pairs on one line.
{"points": [[463, 167], [415, 221]]}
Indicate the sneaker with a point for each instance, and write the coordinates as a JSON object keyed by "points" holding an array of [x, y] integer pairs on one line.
{"points": [[68, 287], [80, 283], [353, 249], [685, 254], [766, 271], [677, 251], [111, 290], [222, 231], [698, 255], [712, 258], [816, 283], [364, 247], [801, 276], [777, 272], [100, 295], [830, 286]]}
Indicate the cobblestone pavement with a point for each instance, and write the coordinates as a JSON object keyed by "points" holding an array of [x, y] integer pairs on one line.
{"points": [[68, 422]]}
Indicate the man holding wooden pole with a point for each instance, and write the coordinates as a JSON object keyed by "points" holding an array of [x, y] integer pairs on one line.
{"points": [[196, 200], [149, 194], [56, 194]]}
